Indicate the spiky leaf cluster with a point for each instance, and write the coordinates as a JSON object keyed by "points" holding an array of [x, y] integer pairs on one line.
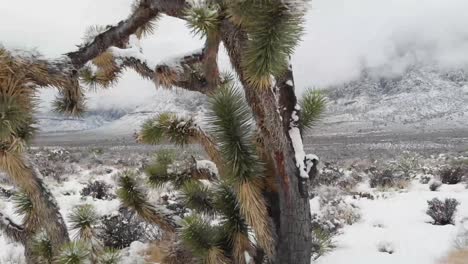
{"points": [[83, 219], [68, 102], [110, 256], [274, 31], [204, 240], [134, 197], [157, 172], [17, 101], [23, 203], [176, 129], [42, 249], [12, 117], [232, 124], [313, 104], [229, 238], [148, 28], [198, 197], [74, 253], [203, 19]]}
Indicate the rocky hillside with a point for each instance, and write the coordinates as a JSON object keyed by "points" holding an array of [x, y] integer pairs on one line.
{"points": [[422, 98]]}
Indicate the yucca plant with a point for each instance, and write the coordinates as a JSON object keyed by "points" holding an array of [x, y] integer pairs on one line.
{"points": [[110, 256], [42, 249], [83, 220], [74, 253]]}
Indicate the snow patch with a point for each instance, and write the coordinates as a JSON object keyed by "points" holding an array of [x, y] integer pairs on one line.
{"points": [[296, 139]]}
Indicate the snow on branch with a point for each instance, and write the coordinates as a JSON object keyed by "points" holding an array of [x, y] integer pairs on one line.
{"points": [[146, 11], [296, 140]]}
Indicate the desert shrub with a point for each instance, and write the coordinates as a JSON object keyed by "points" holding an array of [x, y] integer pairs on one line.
{"points": [[349, 180], [435, 185], [322, 242], [442, 212], [408, 163], [329, 175], [335, 211], [425, 179], [387, 178], [121, 229], [98, 190], [452, 175]]}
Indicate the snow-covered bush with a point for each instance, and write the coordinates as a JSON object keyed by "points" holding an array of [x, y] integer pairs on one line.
{"points": [[461, 240], [387, 179], [329, 175], [408, 163], [425, 179], [386, 247], [434, 185], [98, 190], [121, 229], [335, 211], [452, 175], [442, 212]]}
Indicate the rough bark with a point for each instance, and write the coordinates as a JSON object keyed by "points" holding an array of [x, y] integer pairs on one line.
{"points": [[118, 35], [273, 115], [46, 210]]}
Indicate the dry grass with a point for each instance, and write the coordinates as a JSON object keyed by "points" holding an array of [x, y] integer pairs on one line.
{"points": [[456, 257], [156, 252]]}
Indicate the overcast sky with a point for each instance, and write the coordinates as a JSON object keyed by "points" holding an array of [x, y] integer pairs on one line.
{"points": [[341, 37]]}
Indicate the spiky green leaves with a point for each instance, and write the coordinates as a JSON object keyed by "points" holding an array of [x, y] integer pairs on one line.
{"points": [[233, 130], [12, 117], [274, 31], [69, 102], [313, 105], [110, 256], [178, 130], [203, 240], [23, 204], [198, 197], [148, 28], [232, 126], [134, 197], [42, 249], [84, 219], [203, 19], [74, 253], [157, 172]]}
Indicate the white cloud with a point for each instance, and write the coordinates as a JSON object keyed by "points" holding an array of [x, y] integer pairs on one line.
{"points": [[341, 37]]}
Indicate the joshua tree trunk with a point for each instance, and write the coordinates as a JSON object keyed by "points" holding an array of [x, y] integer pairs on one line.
{"points": [[45, 208], [292, 220]]}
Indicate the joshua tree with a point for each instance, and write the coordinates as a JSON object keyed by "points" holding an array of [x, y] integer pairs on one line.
{"points": [[240, 178], [259, 36]]}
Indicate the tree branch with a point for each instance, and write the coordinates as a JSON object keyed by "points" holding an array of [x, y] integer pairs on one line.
{"points": [[118, 35], [12, 230]]}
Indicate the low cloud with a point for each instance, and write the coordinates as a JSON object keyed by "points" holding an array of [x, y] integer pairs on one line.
{"points": [[342, 37]]}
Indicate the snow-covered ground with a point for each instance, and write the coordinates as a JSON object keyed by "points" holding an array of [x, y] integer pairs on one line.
{"points": [[390, 219], [399, 220]]}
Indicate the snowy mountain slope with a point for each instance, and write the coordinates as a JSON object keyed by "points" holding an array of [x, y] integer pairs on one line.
{"points": [[422, 98], [124, 121]]}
